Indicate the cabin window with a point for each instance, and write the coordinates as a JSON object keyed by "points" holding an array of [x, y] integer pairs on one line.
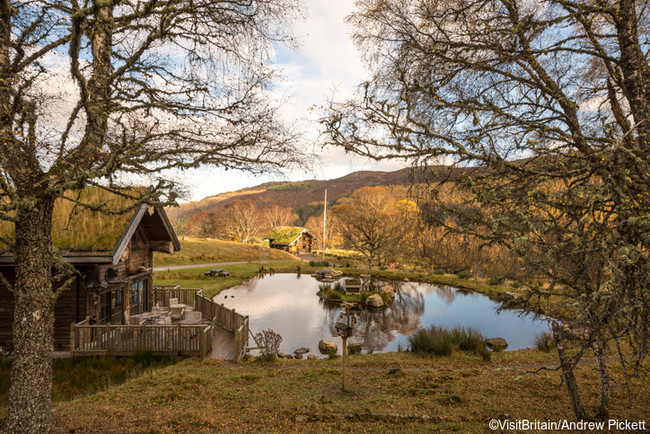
{"points": [[137, 291], [111, 306]]}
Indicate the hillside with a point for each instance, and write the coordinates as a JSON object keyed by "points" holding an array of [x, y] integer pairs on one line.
{"points": [[307, 195]]}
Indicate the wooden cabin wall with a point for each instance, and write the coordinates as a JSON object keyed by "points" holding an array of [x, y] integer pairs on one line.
{"points": [[71, 306]]}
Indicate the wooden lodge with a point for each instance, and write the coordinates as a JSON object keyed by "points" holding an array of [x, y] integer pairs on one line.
{"points": [[114, 257], [291, 239]]}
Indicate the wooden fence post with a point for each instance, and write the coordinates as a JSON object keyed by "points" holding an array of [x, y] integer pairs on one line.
{"points": [[108, 338], [72, 339], [179, 345], [237, 345]]}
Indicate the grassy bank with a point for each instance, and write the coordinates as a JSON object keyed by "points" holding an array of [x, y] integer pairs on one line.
{"points": [[196, 251], [553, 306], [76, 377], [457, 393], [239, 273]]}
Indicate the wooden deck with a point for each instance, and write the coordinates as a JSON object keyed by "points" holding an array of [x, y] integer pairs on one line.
{"points": [[224, 337], [223, 344]]}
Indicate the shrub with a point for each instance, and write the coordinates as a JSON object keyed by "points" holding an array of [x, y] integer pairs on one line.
{"points": [[485, 353], [544, 341], [468, 339], [269, 343], [434, 341], [143, 358], [465, 274], [495, 281], [439, 271], [516, 284], [326, 290], [440, 341], [339, 287]]}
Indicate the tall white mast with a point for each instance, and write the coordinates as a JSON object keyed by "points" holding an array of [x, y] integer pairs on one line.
{"points": [[324, 223]]}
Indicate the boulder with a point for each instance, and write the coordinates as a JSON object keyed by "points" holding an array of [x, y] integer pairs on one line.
{"points": [[496, 344], [282, 355], [374, 300], [312, 357], [302, 350], [327, 347]]}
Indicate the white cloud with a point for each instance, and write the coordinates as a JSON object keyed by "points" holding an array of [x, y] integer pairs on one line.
{"points": [[326, 64]]}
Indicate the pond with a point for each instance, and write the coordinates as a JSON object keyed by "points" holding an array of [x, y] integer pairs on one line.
{"points": [[288, 304]]}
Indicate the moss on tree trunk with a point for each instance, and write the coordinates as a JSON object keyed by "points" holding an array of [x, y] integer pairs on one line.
{"points": [[33, 327]]}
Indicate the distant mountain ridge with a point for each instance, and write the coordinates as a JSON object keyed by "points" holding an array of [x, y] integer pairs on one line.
{"points": [[292, 195]]}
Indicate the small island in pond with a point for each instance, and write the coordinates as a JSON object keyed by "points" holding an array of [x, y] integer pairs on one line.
{"points": [[359, 290]]}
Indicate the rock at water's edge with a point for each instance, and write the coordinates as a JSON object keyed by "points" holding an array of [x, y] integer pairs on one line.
{"points": [[496, 344], [374, 300], [327, 347]]}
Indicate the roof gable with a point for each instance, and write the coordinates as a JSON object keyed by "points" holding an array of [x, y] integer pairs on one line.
{"points": [[79, 231]]}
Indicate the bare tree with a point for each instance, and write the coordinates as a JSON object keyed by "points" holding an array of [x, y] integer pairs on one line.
{"points": [[543, 109], [202, 225], [98, 91], [369, 223], [240, 221], [275, 216]]}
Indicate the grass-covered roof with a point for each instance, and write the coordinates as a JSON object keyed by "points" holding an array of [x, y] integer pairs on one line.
{"points": [[284, 234], [79, 228]]}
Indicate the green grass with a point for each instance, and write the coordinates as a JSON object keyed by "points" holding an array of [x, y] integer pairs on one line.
{"points": [[440, 341], [239, 273], [209, 251], [291, 186], [544, 341], [80, 376]]}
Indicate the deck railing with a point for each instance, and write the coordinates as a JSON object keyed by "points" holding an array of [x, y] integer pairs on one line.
{"points": [[161, 294], [227, 319], [124, 340], [182, 340]]}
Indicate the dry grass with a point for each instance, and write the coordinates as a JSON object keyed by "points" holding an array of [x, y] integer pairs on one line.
{"points": [[197, 251], [77, 228], [459, 393]]}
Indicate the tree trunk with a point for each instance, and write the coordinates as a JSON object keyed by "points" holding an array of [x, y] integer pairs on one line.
{"points": [[567, 374], [636, 81], [31, 373], [603, 407]]}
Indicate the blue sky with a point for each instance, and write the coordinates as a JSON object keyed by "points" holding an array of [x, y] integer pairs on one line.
{"points": [[326, 62]]}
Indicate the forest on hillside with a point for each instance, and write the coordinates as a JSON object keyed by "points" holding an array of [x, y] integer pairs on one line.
{"points": [[387, 226]]}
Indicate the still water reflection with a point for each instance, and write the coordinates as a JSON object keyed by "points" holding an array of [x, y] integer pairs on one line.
{"points": [[288, 304]]}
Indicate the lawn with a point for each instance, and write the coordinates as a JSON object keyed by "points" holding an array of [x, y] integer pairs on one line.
{"points": [[457, 393], [196, 251], [239, 273]]}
